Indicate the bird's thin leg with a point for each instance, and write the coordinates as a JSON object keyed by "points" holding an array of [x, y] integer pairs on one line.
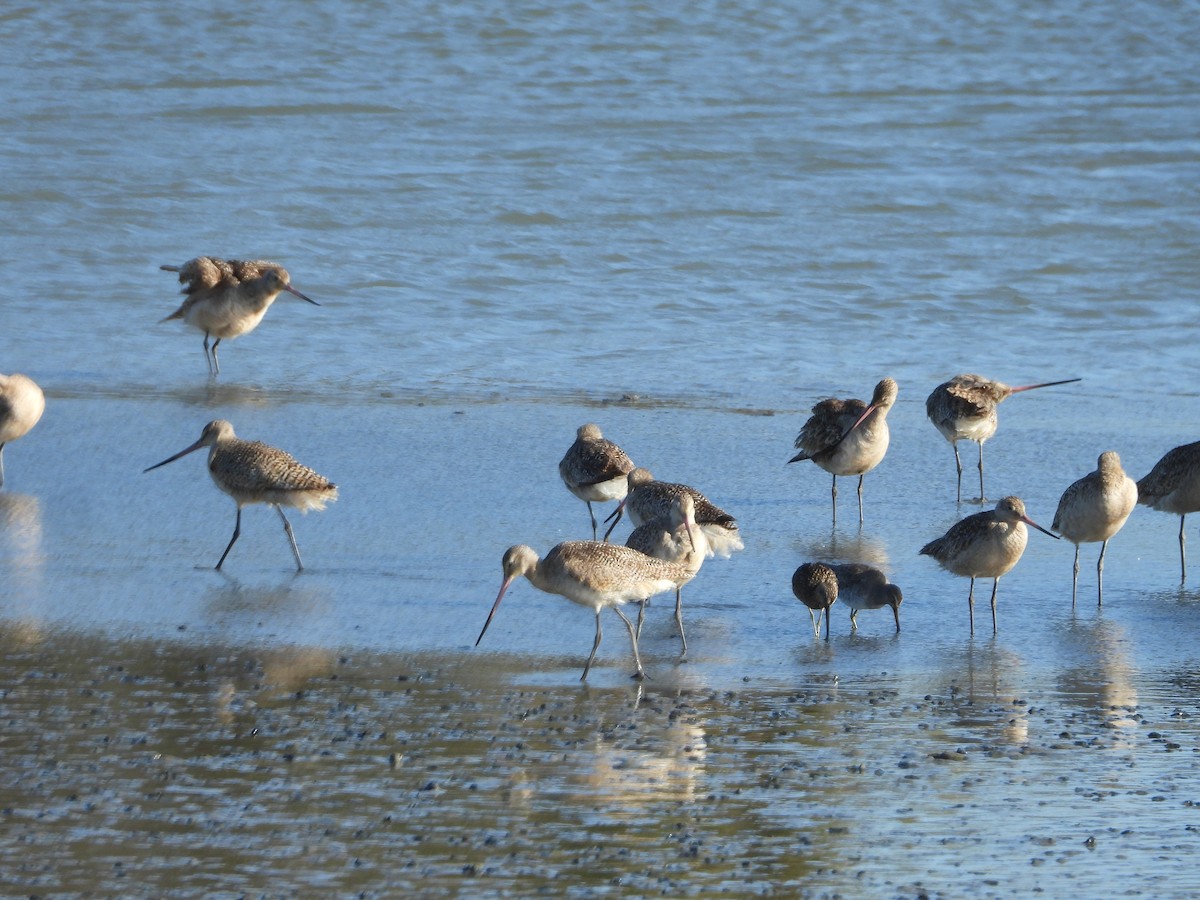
{"points": [[595, 646], [1, 465], [995, 585], [237, 529], [826, 611], [1100, 574], [1075, 576], [287, 526], [207, 357], [812, 617], [854, 620], [640, 674], [958, 466], [982, 498], [642, 604], [971, 604], [835, 501], [679, 619], [860, 515], [593, 515], [1182, 556]]}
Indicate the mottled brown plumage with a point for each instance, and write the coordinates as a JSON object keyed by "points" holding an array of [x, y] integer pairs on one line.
{"points": [[985, 545], [964, 409], [648, 500], [848, 437], [594, 469], [676, 539], [227, 298], [1173, 486], [595, 575], [253, 472], [816, 586]]}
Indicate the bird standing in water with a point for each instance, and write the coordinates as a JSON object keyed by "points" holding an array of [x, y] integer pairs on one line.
{"points": [[985, 545], [253, 472], [21, 406], [1173, 486], [227, 298], [677, 539], [816, 586], [594, 469], [593, 574], [864, 587], [1093, 509], [964, 409], [848, 437]]}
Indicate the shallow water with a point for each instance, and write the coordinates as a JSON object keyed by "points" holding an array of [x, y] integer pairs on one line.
{"points": [[688, 225]]}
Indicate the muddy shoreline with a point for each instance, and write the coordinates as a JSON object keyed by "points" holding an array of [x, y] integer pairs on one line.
{"points": [[143, 768]]}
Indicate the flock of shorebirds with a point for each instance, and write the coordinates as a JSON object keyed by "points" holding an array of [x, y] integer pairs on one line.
{"points": [[675, 526]]}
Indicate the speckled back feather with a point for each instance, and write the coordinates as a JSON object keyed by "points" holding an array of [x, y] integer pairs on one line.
{"points": [[252, 468]]}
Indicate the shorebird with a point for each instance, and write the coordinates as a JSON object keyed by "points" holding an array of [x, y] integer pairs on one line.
{"points": [[21, 405], [1173, 486], [677, 539], [1093, 509], [648, 500], [596, 575], [816, 586], [864, 587], [848, 437], [985, 545], [594, 469], [227, 298], [253, 472], [964, 409]]}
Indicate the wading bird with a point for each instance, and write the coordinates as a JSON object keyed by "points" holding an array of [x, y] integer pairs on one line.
{"points": [[253, 472], [227, 298]]}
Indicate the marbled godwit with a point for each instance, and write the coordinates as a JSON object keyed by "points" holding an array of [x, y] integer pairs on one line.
{"points": [[864, 587], [595, 575], [677, 539], [595, 469], [985, 545], [21, 405], [252, 472], [648, 501], [964, 409], [1173, 486], [1093, 509], [227, 298], [848, 437], [816, 586]]}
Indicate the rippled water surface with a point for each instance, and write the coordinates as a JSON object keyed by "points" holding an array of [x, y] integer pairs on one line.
{"points": [[687, 223]]}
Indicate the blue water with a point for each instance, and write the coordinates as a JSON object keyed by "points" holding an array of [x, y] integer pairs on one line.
{"points": [[687, 223]]}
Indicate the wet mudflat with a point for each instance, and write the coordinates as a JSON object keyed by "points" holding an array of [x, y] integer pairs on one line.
{"points": [[135, 767]]}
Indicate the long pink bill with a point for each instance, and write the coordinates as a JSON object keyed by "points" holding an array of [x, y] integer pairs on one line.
{"points": [[866, 412], [1028, 521], [495, 606], [293, 291], [169, 459], [1030, 387]]}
